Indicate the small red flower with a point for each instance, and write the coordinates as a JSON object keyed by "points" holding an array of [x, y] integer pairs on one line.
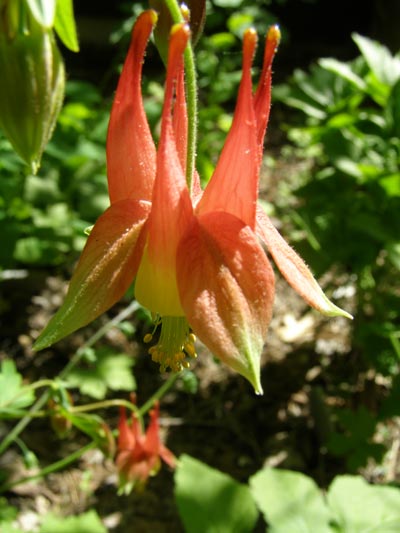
{"points": [[139, 453]]}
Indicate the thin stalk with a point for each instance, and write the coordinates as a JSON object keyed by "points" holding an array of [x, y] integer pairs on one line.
{"points": [[158, 394], [54, 467], [134, 306], [191, 95], [103, 405]]}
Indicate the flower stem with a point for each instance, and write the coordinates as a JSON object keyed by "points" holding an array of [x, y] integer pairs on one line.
{"points": [[103, 405], [158, 394], [191, 95], [54, 467]]}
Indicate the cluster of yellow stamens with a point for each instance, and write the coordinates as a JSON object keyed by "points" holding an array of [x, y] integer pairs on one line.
{"points": [[175, 346]]}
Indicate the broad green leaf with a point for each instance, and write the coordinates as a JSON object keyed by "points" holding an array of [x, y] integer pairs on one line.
{"points": [[385, 67], [290, 502], [64, 24], [110, 371], [13, 395], [88, 522], [363, 508], [343, 70], [210, 501], [43, 11]]}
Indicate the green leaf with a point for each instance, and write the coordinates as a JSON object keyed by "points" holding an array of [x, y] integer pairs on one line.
{"points": [[393, 251], [344, 70], [222, 40], [210, 501], [64, 24], [8, 527], [91, 425], [290, 502], [385, 67], [43, 11], [85, 523], [363, 508], [13, 395], [8, 512], [39, 251], [393, 109], [238, 22], [228, 3], [109, 371]]}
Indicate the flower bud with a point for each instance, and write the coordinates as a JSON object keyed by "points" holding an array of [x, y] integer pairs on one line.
{"points": [[31, 88], [193, 11]]}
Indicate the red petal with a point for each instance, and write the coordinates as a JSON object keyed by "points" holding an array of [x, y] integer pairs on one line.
{"points": [[131, 154], [226, 285], [106, 268], [262, 98], [126, 439], [233, 188], [153, 444], [171, 205], [293, 268], [180, 119], [152, 433]]}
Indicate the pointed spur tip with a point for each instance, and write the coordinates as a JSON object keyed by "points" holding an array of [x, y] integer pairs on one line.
{"points": [[330, 309], [274, 34]]}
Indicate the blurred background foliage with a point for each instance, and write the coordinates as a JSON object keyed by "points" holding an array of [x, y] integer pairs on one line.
{"points": [[336, 119]]}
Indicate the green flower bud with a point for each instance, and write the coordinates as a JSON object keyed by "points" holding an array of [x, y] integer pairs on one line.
{"points": [[193, 11], [31, 88]]}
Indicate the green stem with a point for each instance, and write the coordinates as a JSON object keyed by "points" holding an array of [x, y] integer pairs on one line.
{"points": [[54, 467], [41, 402], [191, 95], [125, 313], [158, 394], [103, 405]]}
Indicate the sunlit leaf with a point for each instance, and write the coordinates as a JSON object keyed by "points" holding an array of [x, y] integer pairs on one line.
{"points": [[43, 11], [13, 394], [210, 501], [88, 522], [109, 371], [385, 67], [290, 502], [64, 24], [363, 508], [344, 70]]}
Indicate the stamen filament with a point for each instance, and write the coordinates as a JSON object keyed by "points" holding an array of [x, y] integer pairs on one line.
{"points": [[176, 343]]}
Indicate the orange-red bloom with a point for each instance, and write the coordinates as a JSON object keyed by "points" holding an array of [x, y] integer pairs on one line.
{"points": [[139, 454], [196, 256]]}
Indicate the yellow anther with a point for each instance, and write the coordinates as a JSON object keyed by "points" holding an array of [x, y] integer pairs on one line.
{"points": [[175, 344], [190, 349]]}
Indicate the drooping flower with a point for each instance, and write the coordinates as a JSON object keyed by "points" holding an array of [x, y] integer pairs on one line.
{"points": [[195, 256], [139, 453]]}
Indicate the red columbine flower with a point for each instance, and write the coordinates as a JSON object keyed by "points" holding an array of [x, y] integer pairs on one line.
{"points": [[196, 256], [139, 454]]}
